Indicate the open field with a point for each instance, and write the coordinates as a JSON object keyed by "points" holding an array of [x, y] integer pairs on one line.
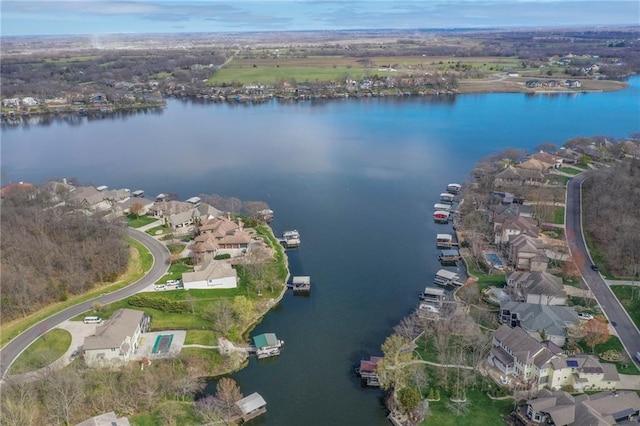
{"points": [[49, 347]]}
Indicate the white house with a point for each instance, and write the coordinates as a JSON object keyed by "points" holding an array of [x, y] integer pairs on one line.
{"points": [[116, 340], [212, 275]]}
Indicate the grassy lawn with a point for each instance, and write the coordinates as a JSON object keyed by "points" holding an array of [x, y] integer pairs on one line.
{"points": [[201, 337], [182, 413], [558, 179], [176, 248], [558, 215], [175, 271], [570, 170], [137, 222], [46, 349], [483, 411], [158, 230], [139, 262], [624, 293], [486, 280]]}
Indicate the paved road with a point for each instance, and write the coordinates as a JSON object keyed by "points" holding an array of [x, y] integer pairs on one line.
{"points": [[625, 328], [160, 266]]}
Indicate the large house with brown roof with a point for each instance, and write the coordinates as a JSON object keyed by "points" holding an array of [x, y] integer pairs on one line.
{"points": [[527, 253], [512, 226], [516, 176], [116, 340], [563, 409], [220, 235]]}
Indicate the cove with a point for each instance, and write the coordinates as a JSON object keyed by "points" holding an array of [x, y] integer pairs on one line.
{"points": [[357, 178]]}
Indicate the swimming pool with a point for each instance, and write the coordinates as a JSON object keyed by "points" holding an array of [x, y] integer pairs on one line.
{"points": [[494, 260]]}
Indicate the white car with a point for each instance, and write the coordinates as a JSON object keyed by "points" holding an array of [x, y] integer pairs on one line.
{"points": [[585, 316], [172, 282], [159, 287]]}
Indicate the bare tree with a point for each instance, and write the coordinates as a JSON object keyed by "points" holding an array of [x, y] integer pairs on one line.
{"points": [[136, 209], [227, 394], [63, 392], [221, 315]]}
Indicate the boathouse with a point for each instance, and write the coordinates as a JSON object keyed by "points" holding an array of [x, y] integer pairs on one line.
{"points": [[454, 188], [368, 371], [442, 207], [433, 295], [447, 198], [267, 344], [444, 240], [449, 256], [441, 216], [252, 406], [446, 278]]}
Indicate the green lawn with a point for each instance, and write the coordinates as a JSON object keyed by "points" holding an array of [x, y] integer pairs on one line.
{"points": [[175, 271], [182, 413], [176, 248], [137, 222], [558, 215], [46, 349], [158, 230], [483, 411], [558, 179], [625, 295], [201, 337], [486, 280]]}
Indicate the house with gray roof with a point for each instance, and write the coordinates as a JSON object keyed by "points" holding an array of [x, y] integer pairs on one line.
{"points": [[251, 406], [537, 318], [536, 287], [512, 226], [562, 409], [515, 352], [116, 339], [527, 253]]}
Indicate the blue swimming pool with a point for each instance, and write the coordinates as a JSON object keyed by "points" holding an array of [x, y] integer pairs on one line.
{"points": [[494, 260]]}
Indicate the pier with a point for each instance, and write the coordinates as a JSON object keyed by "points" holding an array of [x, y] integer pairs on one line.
{"points": [[290, 239]]}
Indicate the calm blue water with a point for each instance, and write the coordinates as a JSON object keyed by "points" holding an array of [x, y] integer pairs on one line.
{"points": [[357, 178]]}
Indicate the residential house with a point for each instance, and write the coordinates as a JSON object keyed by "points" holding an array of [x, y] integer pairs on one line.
{"points": [[162, 209], [220, 235], [553, 160], [19, 189], [124, 207], [513, 177], [94, 199], [536, 287], [215, 274], [513, 226], [502, 212], [573, 83], [583, 373], [562, 409], [535, 318], [516, 353], [527, 253], [535, 164], [116, 339], [106, 419]]}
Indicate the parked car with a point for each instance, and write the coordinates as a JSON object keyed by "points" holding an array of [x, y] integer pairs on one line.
{"points": [[92, 320], [638, 356], [585, 316], [172, 282], [595, 268], [74, 355]]}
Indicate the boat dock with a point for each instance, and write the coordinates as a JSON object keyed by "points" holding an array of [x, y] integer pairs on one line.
{"points": [[290, 239], [300, 284], [447, 278], [449, 256], [368, 371]]}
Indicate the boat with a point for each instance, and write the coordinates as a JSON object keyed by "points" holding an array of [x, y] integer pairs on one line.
{"points": [[447, 198], [442, 207], [444, 241]]}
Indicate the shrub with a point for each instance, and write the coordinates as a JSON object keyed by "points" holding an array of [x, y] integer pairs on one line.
{"points": [[222, 256], [160, 303]]}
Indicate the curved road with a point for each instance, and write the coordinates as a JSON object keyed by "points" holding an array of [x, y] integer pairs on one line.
{"points": [[160, 266], [613, 310]]}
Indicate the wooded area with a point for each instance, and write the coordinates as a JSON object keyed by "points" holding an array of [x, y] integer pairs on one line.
{"points": [[49, 254], [611, 216]]}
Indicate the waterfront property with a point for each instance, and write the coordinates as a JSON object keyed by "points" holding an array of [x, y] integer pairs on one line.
{"points": [[536, 318], [442, 207], [267, 345], [536, 287], [115, 341], [527, 253], [214, 274]]}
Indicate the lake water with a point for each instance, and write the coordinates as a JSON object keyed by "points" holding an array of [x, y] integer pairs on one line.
{"points": [[357, 178]]}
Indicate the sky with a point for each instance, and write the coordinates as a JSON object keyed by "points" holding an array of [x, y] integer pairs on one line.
{"points": [[51, 17]]}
